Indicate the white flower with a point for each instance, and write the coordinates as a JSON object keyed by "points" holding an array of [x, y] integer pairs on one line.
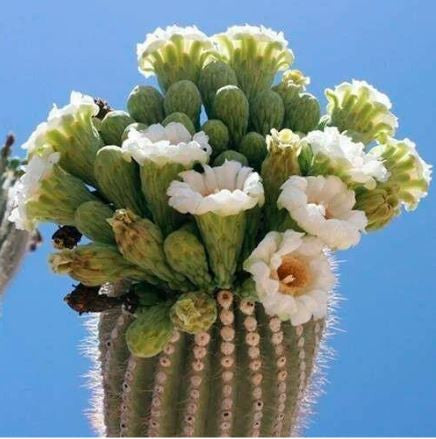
{"points": [[263, 37], [170, 144], [347, 157], [357, 87], [161, 37], [408, 171], [323, 207], [224, 190], [292, 275], [27, 187], [79, 104]]}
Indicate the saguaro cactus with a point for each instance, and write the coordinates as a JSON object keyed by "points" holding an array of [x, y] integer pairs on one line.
{"points": [[214, 248], [13, 242], [250, 375]]}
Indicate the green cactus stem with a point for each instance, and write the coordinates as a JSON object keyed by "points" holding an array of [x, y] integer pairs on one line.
{"points": [[249, 376]]}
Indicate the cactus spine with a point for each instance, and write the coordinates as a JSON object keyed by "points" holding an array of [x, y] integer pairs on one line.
{"points": [[13, 242], [248, 376]]}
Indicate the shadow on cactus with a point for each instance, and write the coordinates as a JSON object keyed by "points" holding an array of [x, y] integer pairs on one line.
{"points": [[210, 240]]}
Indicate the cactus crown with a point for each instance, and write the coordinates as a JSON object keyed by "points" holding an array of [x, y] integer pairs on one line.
{"points": [[252, 202]]}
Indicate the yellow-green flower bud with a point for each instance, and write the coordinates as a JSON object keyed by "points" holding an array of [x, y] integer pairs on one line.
{"points": [[247, 290], [230, 155], [137, 126], [218, 135], [380, 205], [113, 125], [173, 54], [213, 76], [231, 107], [95, 264], [194, 312], [256, 54], [253, 147], [183, 97], [91, 220], [409, 175], [145, 105], [186, 254], [119, 180], [302, 110], [150, 332], [360, 110], [280, 163], [296, 77], [266, 111], [180, 118], [141, 242]]}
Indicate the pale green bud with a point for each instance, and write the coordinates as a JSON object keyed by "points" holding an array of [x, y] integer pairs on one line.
{"points": [[113, 125], [280, 163], [180, 118], [183, 97], [57, 197], [360, 110], [213, 76], [231, 107], [137, 126], [91, 220], [194, 312], [380, 205], [409, 175], [230, 155], [119, 180], [253, 146], [145, 105], [218, 135], [150, 332], [141, 242], [266, 111], [247, 290], [186, 254], [95, 264], [302, 110]]}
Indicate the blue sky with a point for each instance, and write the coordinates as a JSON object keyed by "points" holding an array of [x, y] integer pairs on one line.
{"points": [[382, 381]]}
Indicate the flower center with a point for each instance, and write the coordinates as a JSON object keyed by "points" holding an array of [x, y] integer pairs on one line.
{"points": [[293, 275]]}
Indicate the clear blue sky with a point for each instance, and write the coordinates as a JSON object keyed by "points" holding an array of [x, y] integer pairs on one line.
{"points": [[382, 381]]}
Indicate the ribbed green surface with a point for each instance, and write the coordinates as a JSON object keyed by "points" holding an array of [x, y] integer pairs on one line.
{"points": [[246, 377]]}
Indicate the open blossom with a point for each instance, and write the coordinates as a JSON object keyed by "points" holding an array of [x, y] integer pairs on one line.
{"points": [[27, 188], [292, 275], [323, 207], [224, 190], [341, 156], [361, 110], [80, 106], [170, 144]]}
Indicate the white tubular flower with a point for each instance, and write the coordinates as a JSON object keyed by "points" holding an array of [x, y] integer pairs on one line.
{"points": [[256, 54], [162, 153], [45, 192], [224, 190], [170, 144], [410, 175], [361, 110], [219, 199], [336, 154], [69, 130], [323, 207], [292, 275], [173, 54]]}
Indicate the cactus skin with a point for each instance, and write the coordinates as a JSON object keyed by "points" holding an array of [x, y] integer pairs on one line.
{"points": [[13, 242], [249, 376]]}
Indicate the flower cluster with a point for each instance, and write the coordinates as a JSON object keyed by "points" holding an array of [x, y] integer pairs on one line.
{"points": [[254, 197]]}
